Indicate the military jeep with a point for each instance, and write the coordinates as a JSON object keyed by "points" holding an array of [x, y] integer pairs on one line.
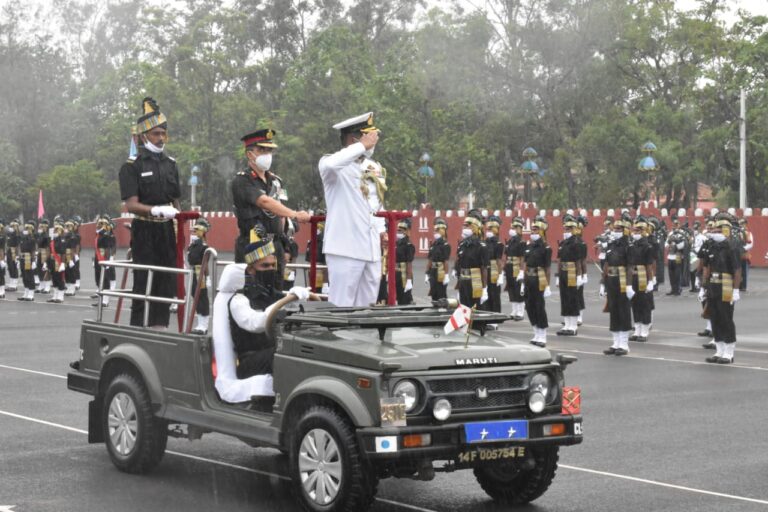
{"points": [[361, 394]]}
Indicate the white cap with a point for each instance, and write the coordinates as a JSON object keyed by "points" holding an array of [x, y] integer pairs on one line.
{"points": [[364, 119]]}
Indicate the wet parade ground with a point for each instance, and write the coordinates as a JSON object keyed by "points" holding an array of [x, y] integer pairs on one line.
{"points": [[663, 430]]}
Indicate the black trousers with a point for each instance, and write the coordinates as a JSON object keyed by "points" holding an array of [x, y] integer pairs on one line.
{"points": [[641, 304], [721, 315], [675, 276], [513, 285], [203, 303], [494, 298], [13, 270], [437, 290], [535, 304], [618, 306], [28, 278], [744, 274], [153, 243], [403, 297], [109, 276], [465, 293], [569, 296]]}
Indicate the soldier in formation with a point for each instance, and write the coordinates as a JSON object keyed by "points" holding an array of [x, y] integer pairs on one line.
{"points": [[3, 264], [43, 277], [581, 279], [12, 241], [321, 284], [676, 242], [535, 276], [72, 258], [569, 276], [291, 251], [641, 255], [28, 260], [494, 253], [514, 251], [104, 250], [616, 284], [195, 252], [601, 240], [471, 262], [404, 254], [57, 260], [747, 241], [437, 275]]}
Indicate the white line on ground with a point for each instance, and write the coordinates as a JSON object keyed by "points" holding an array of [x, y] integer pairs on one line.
{"points": [[664, 484], [33, 371]]}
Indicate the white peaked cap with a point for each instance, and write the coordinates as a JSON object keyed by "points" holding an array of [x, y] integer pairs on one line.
{"points": [[353, 121]]}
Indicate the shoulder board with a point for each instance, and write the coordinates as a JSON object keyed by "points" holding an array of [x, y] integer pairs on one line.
{"points": [[131, 159], [276, 177], [171, 159]]}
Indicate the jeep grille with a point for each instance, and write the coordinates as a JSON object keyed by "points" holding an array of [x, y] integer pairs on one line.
{"points": [[500, 392]]}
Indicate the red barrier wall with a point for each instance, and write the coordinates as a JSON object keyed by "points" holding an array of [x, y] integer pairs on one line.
{"points": [[224, 229]]}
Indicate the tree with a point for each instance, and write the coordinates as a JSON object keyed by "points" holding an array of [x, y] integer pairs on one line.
{"points": [[77, 189]]}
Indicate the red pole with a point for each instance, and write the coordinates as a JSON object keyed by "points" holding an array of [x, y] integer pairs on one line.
{"points": [[181, 242], [392, 219], [313, 249]]}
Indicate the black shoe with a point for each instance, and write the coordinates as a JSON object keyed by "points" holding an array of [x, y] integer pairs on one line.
{"points": [[709, 345], [52, 301], [538, 343], [712, 359], [565, 332], [620, 352], [641, 339], [671, 293], [724, 360], [94, 296], [633, 337], [706, 333], [609, 351], [262, 403], [21, 298]]}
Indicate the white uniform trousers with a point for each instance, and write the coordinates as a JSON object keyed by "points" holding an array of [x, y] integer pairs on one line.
{"points": [[352, 282]]}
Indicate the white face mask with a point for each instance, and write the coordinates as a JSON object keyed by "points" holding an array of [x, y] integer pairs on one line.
{"points": [[567, 235], [718, 237], [400, 236], [466, 233], [535, 236], [153, 148], [512, 233], [193, 238], [25, 232], [263, 162], [489, 234], [437, 236], [617, 234], [636, 236]]}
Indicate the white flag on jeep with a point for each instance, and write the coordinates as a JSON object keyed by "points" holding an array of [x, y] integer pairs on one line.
{"points": [[459, 319]]}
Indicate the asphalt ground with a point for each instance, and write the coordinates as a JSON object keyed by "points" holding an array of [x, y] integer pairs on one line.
{"points": [[663, 430]]}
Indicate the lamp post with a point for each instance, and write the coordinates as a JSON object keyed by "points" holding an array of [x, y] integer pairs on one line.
{"points": [[426, 171], [649, 164], [193, 183], [528, 168]]}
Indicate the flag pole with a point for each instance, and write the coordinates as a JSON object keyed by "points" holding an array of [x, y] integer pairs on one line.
{"points": [[469, 325]]}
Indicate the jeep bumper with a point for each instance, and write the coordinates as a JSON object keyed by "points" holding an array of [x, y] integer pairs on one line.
{"points": [[448, 442], [83, 382]]}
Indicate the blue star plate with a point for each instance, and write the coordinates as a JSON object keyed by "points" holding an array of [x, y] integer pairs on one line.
{"points": [[488, 431]]}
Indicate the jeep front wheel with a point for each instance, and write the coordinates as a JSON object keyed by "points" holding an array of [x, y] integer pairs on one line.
{"points": [[135, 437], [325, 464], [509, 484]]}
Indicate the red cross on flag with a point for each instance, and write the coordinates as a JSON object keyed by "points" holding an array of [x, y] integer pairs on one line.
{"points": [[459, 319]]}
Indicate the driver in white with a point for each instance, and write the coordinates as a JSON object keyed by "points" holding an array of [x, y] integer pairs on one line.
{"points": [[354, 191], [244, 353]]}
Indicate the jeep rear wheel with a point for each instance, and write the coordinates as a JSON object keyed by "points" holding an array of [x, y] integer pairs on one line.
{"points": [[135, 437], [325, 464], [508, 484]]}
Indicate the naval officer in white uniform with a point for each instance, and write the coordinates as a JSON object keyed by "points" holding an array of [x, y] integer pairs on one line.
{"points": [[354, 187]]}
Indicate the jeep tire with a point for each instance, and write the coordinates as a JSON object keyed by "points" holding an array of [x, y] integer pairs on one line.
{"points": [[134, 436], [325, 465], [509, 485]]}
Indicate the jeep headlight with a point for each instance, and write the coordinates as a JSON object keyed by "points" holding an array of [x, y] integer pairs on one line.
{"points": [[540, 392], [409, 391]]}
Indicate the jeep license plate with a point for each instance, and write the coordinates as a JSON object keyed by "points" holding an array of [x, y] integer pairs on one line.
{"points": [[489, 431]]}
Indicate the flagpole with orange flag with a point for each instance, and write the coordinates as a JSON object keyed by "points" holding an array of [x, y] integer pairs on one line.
{"points": [[40, 207]]}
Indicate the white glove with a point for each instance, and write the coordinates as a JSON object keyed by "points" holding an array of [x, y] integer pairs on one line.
{"points": [[447, 279], [522, 288], [500, 280], [579, 282], [164, 211], [62, 268], [485, 296], [702, 294], [291, 276], [602, 290], [453, 274], [736, 296], [301, 293], [584, 279], [408, 285], [604, 245], [45, 267], [208, 283], [547, 292], [630, 292], [697, 283], [77, 258], [557, 281], [520, 275], [426, 278], [650, 286], [34, 265], [71, 263], [3, 265], [680, 245], [324, 289]]}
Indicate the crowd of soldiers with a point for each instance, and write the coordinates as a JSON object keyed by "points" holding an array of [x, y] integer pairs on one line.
{"points": [[42, 259]]}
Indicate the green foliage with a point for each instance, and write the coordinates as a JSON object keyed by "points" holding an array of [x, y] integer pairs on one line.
{"points": [[77, 189]]}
